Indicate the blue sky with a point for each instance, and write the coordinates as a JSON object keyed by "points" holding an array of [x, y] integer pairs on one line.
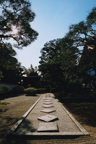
{"points": [[52, 21]]}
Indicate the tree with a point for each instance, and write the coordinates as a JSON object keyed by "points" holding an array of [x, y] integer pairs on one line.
{"points": [[32, 79], [30, 71], [91, 42], [64, 56], [15, 19], [59, 63], [85, 66], [9, 66], [69, 60], [12, 75], [50, 64], [84, 35], [15, 22], [7, 54], [7, 59]]}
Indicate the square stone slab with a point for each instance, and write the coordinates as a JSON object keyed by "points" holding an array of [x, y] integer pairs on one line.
{"points": [[48, 106], [48, 127], [48, 110], [47, 103], [47, 100], [48, 118]]}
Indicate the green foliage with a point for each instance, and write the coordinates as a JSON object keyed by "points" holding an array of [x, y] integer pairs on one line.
{"points": [[50, 64], [19, 89], [58, 64], [41, 90], [47, 89], [50, 52], [10, 69], [7, 59], [63, 65], [1, 76], [30, 91], [3, 103], [84, 34], [15, 18], [17, 14], [30, 71], [7, 53], [13, 74], [69, 60], [53, 90], [91, 18], [4, 89]]}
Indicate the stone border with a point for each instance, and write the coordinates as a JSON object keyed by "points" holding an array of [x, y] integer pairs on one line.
{"points": [[22, 118], [49, 134], [81, 128], [32, 135]]}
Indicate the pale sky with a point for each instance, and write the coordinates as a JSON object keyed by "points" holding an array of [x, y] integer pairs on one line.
{"points": [[52, 21]]}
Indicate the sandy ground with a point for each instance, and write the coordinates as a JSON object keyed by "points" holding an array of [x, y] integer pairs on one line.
{"points": [[10, 114]]}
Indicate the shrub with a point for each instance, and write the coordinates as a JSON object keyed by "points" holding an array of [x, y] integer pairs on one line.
{"points": [[4, 89], [0, 90], [19, 89], [54, 90], [30, 91], [41, 90]]}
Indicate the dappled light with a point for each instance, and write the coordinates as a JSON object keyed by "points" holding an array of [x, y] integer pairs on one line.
{"points": [[14, 30]]}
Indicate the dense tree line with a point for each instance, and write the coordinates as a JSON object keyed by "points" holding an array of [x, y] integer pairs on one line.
{"points": [[67, 62], [64, 63]]}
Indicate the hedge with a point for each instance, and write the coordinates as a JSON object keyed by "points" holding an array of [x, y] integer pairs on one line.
{"points": [[30, 91], [4, 89]]}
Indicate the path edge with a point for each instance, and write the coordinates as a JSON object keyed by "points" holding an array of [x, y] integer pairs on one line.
{"points": [[18, 123], [81, 128]]}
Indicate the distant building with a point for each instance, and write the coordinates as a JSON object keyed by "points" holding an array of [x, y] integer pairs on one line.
{"points": [[32, 81]]}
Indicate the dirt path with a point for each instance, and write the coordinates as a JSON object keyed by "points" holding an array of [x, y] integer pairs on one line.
{"points": [[10, 114]]}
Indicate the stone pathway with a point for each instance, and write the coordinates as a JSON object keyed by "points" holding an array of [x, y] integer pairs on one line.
{"points": [[47, 117]]}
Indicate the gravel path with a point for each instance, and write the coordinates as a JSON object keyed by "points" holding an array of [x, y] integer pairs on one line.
{"points": [[66, 125], [10, 114]]}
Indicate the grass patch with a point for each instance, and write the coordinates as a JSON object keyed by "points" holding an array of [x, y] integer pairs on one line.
{"points": [[3, 103], [84, 112]]}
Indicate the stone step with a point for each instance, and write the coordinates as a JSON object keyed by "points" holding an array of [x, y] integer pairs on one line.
{"points": [[48, 127], [48, 110], [48, 118]]}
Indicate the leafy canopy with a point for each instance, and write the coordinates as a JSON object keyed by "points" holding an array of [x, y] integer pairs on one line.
{"points": [[15, 19], [30, 71]]}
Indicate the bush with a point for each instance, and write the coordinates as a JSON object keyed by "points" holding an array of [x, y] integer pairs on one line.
{"points": [[54, 90], [30, 91], [45, 90], [4, 89], [19, 89], [41, 90]]}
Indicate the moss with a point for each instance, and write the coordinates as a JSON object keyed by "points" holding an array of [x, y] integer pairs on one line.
{"points": [[3, 103], [85, 112]]}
